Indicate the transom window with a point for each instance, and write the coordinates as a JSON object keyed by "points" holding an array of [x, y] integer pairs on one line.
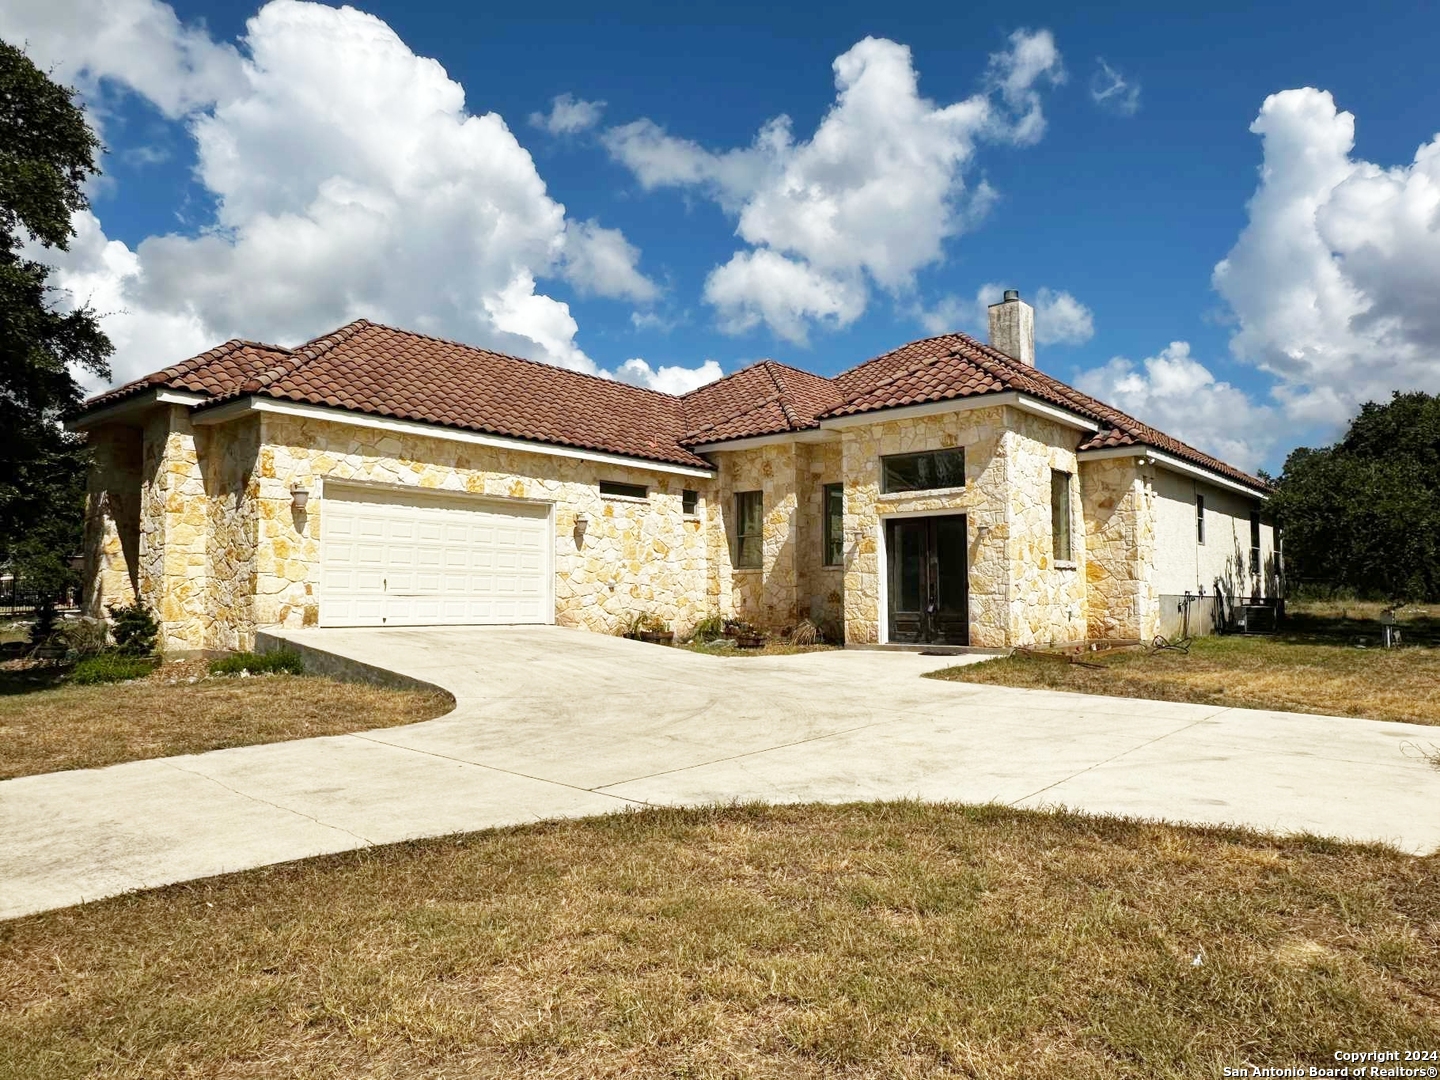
{"points": [[834, 553], [923, 472], [624, 491], [689, 501], [1060, 515], [749, 528]]}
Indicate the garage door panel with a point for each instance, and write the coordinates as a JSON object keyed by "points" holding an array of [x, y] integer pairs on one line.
{"points": [[418, 559]]}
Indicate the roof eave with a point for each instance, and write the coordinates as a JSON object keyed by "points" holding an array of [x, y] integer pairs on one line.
{"points": [[1175, 464], [130, 407]]}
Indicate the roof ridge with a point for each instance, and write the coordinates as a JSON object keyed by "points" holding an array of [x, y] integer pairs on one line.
{"points": [[726, 378], [791, 420], [741, 411]]}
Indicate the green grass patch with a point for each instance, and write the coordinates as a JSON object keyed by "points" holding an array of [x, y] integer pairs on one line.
{"points": [[109, 667], [280, 662]]}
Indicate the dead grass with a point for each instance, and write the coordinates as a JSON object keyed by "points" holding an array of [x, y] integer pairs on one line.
{"points": [[47, 728], [1314, 666], [894, 940]]}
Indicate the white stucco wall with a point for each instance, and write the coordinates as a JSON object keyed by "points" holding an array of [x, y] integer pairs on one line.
{"points": [[1182, 563]]}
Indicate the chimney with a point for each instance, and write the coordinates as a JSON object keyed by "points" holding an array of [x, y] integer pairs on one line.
{"points": [[1012, 327]]}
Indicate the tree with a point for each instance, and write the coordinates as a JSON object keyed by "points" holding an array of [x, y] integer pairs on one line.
{"points": [[1364, 514], [47, 151]]}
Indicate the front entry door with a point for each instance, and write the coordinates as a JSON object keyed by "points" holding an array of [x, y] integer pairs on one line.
{"points": [[929, 597]]}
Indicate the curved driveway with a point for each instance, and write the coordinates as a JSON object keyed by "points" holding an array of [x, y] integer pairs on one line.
{"points": [[552, 722]]}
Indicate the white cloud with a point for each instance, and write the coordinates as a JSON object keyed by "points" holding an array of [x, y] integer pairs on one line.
{"points": [[1060, 319], [1333, 280], [601, 262], [869, 198], [1176, 393], [569, 115], [349, 180], [1111, 90], [668, 379]]}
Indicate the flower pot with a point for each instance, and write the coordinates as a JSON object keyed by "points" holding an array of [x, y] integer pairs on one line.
{"points": [[658, 637], [748, 641]]}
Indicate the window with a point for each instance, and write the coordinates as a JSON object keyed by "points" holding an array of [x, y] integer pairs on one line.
{"points": [[1060, 515], [1199, 519], [923, 472], [625, 491], [1254, 541], [749, 523], [689, 502], [834, 553]]}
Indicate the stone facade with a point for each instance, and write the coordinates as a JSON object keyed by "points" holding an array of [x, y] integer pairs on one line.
{"points": [[200, 521]]}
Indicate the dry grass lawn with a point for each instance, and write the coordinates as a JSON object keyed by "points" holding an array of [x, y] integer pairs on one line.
{"points": [[1316, 664], [725, 647], [893, 940], [48, 729]]}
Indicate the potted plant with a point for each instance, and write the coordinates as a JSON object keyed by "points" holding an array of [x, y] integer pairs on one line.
{"points": [[743, 634], [650, 627]]}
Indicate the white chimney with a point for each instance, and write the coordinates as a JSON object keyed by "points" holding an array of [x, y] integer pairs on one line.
{"points": [[1012, 327]]}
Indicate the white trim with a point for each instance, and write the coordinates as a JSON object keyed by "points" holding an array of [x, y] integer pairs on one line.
{"points": [[229, 411], [1013, 398], [944, 511], [1152, 456], [809, 435], [180, 397], [919, 493]]}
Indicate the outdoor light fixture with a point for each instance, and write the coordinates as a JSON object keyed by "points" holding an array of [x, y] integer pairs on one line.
{"points": [[581, 524], [298, 498]]}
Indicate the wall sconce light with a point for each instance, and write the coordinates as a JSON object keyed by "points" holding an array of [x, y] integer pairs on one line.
{"points": [[581, 524], [298, 498]]}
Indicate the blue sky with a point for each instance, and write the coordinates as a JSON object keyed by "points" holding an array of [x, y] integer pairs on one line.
{"points": [[274, 172]]}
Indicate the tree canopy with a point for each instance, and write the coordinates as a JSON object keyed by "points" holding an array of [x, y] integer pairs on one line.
{"points": [[1364, 514], [47, 152]]}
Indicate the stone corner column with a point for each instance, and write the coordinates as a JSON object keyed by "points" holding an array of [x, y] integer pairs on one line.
{"points": [[173, 531]]}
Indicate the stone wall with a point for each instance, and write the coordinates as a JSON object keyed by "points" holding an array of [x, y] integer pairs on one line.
{"points": [[768, 596], [112, 518], [174, 529], [635, 556], [228, 455], [820, 588], [1122, 599]]}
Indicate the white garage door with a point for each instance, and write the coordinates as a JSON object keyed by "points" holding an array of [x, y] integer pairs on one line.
{"points": [[411, 559]]}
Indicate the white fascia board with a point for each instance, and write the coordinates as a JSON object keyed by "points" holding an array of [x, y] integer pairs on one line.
{"points": [[300, 410], [128, 407], [809, 435], [1013, 398], [181, 397], [1174, 464]]}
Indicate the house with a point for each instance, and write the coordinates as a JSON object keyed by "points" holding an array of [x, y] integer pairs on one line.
{"points": [[949, 491]]}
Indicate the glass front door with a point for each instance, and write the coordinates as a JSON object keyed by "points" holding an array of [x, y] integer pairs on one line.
{"points": [[929, 598]]}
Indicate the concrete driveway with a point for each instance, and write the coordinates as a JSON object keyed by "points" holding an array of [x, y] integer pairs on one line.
{"points": [[552, 722]]}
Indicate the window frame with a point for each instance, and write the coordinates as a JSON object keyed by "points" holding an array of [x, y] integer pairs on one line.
{"points": [[1255, 538], [628, 492], [689, 502], [832, 549], [1062, 518], [887, 459], [738, 558], [1199, 518]]}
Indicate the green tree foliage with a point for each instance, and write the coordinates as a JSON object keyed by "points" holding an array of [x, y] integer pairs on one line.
{"points": [[46, 153], [1364, 514]]}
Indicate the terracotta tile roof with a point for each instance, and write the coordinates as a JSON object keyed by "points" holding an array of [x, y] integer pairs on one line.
{"points": [[382, 371], [369, 368], [956, 365], [214, 372], [762, 399]]}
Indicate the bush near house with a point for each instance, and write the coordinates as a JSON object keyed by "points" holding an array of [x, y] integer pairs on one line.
{"points": [[107, 667], [280, 662], [134, 629]]}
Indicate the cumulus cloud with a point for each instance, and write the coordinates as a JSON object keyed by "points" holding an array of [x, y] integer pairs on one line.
{"points": [[348, 180], [1060, 319], [1333, 280], [868, 199], [1111, 90], [568, 115], [668, 379], [1179, 395]]}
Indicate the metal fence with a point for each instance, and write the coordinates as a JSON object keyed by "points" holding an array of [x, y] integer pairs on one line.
{"points": [[17, 599]]}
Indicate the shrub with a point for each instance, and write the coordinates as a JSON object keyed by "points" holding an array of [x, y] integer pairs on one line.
{"points": [[283, 661], [86, 636], [134, 629], [709, 628], [806, 633], [112, 666]]}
